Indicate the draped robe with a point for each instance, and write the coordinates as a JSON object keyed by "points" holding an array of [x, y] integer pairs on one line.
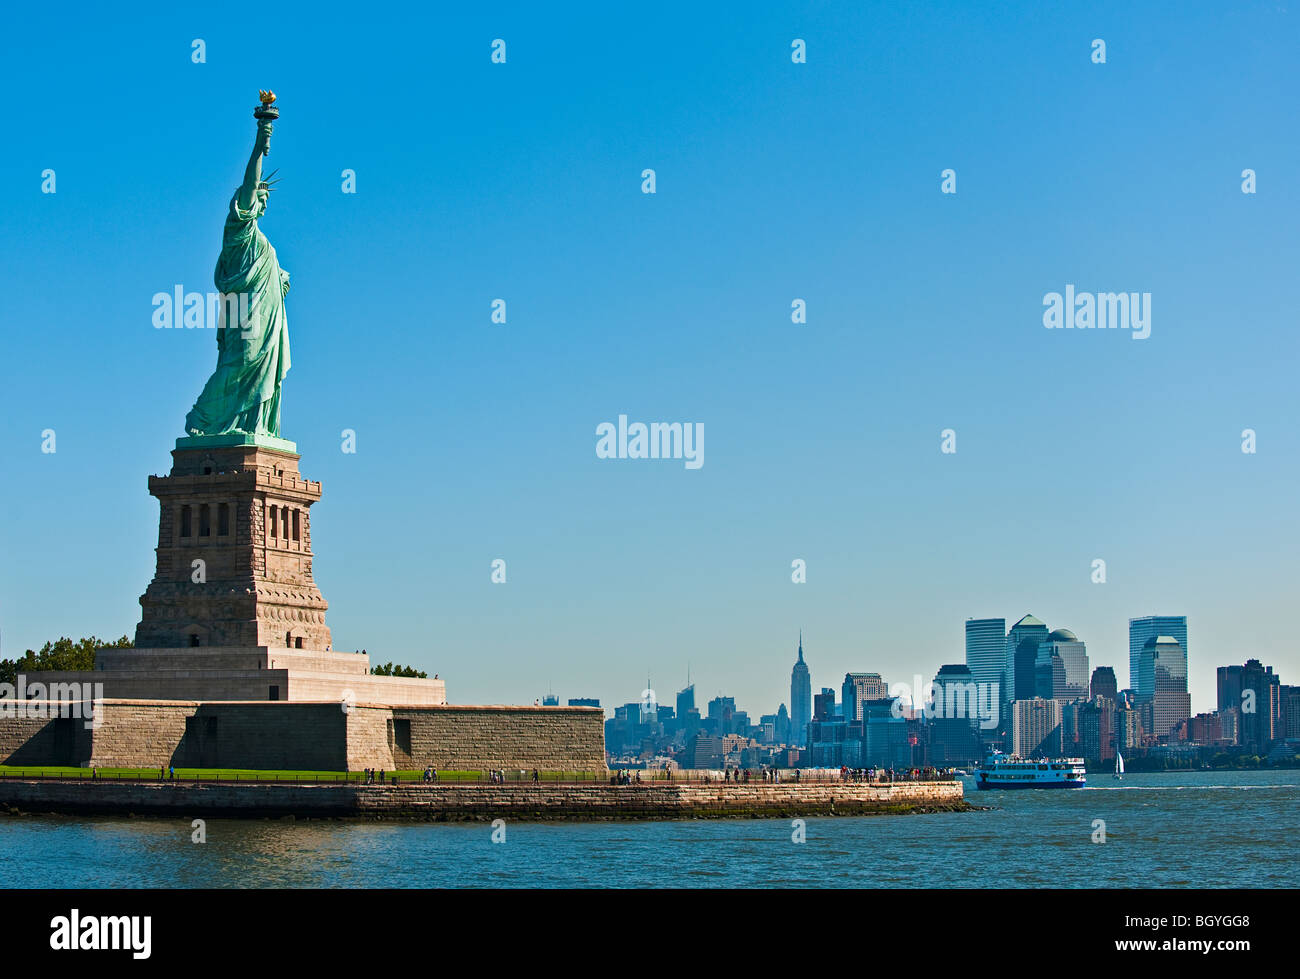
{"points": [[243, 393]]}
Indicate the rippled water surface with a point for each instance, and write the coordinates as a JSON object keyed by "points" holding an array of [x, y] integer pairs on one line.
{"points": [[1200, 829]]}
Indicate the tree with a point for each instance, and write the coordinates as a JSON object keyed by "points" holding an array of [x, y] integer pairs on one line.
{"points": [[388, 669], [62, 654]]}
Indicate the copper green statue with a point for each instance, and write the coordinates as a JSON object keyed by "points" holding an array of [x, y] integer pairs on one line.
{"points": [[242, 397]]}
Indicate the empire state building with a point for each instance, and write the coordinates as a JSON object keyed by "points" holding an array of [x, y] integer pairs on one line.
{"points": [[800, 699]]}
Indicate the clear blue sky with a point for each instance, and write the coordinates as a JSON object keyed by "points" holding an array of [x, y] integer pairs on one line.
{"points": [[776, 181]]}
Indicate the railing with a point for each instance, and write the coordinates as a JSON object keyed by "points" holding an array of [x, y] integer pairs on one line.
{"points": [[788, 776]]}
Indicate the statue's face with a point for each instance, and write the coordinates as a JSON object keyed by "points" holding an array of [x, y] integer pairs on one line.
{"points": [[263, 196]]}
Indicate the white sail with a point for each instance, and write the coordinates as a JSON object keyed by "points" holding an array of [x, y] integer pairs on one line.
{"points": [[1119, 763]]}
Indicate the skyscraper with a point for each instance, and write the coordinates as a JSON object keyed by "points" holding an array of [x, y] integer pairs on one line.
{"points": [[956, 695], [1061, 667], [1097, 726], [1229, 678], [1162, 670], [649, 708], [1036, 728], [722, 709], [800, 699], [1148, 627], [824, 705], [1104, 684], [1128, 726], [859, 688], [1021, 656], [782, 725], [953, 735], [1255, 690], [885, 740], [686, 699], [1288, 725], [986, 654]]}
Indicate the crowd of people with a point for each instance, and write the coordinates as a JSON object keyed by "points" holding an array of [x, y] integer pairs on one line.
{"points": [[776, 776], [926, 774], [737, 775], [764, 774]]}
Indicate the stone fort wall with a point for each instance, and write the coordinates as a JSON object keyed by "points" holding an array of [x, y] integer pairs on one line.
{"points": [[135, 734], [570, 739], [311, 736], [39, 740]]}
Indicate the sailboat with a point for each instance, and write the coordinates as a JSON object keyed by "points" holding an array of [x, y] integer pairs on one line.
{"points": [[1119, 765]]}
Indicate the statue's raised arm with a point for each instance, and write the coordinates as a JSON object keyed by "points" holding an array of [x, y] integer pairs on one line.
{"points": [[242, 397], [248, 190]]}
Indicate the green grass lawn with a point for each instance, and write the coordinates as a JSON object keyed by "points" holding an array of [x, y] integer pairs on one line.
{"points": [[51, 771], [232, 774]]}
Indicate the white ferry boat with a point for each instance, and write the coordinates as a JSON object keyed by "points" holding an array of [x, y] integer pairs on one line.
{"points": [[1010, 772]]}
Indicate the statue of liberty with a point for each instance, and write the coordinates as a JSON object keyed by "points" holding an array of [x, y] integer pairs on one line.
{"points": [[243, 394]]}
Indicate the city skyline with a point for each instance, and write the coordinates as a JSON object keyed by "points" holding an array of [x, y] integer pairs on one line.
{"points": [[1072, 713], [1080, 683]]}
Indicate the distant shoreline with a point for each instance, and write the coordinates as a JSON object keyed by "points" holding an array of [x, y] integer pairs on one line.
{"points": [[1131, 769]]}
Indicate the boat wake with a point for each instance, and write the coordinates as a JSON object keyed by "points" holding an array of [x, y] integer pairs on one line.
{"points": [[1178, 788]]}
